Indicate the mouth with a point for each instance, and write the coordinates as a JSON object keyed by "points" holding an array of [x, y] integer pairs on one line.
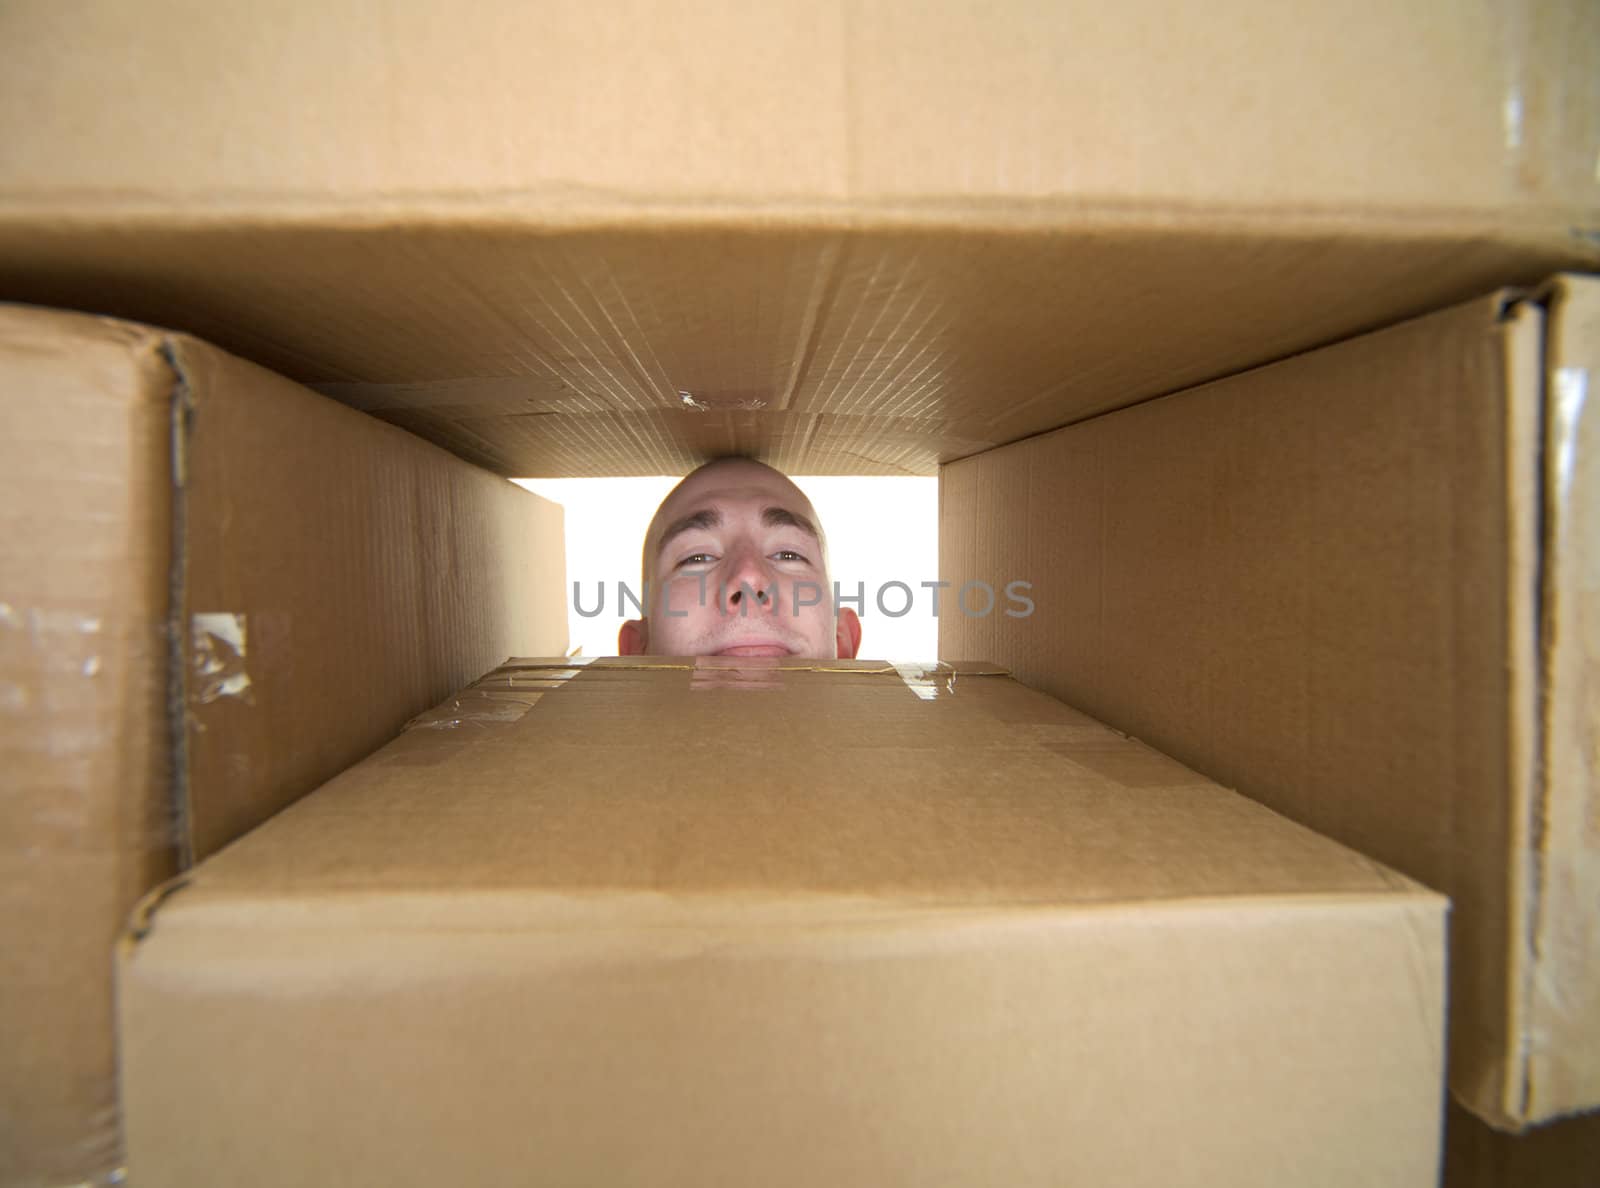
{"points": [[753, 649]]}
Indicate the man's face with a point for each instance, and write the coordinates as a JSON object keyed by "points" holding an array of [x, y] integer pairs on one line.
{"points": [[736, 568]]}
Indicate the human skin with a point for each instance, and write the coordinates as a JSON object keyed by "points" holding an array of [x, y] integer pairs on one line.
{"points": [[735, 564]]}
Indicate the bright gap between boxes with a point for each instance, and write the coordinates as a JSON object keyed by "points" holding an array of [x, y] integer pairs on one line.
{"points": [[880, 531]]}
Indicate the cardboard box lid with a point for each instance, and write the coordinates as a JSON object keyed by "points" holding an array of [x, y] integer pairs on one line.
{"points": [[793, 923], [564, 239], [1359, 586]]}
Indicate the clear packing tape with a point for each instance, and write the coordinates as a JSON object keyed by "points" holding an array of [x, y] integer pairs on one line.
{"points": [[89, 825], [97, 703], [506, 694], [501, 697], [218, 648]]}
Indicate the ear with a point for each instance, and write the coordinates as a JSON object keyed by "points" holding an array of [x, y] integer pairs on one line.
{"points": [[633, 637], [849, 633]]}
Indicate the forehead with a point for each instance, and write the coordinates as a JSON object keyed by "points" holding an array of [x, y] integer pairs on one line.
{"points": [[732, 488]]}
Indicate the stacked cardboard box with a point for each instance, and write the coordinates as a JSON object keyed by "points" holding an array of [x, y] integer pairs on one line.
{"points": [[1358, 585], [570, 239], [217, 590], [798, 922], [884, 237]]}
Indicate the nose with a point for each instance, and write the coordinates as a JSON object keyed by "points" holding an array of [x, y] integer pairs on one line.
{"points": [[750, 587]]}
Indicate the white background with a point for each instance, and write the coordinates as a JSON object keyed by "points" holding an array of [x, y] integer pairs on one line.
{"points": [[879, 530]]}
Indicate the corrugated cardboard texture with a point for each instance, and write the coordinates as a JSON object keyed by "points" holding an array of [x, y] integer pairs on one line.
{"points": [[1319, 583], [792, 923], [335, 575], [565, 238]]}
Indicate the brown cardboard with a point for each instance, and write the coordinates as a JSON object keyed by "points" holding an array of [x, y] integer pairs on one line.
{"points": [[324, 575], [1563, 985], [85, 816], [567, 239], [1359, 586], [1561, 1154], [784, 923]]}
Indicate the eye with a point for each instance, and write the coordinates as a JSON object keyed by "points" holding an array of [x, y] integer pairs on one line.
{"points": [[696, 559], [788, 555]]}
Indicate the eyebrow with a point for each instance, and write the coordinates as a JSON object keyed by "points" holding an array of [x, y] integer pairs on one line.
{"points": [[708, 518], [775, 517], [771, 517]]}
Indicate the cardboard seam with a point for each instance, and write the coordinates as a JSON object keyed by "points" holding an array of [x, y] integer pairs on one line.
{"points": [[1534, 820], [182, 415], [1537, 822], [689, 908], [569, 208], [822, 666], [1548, 299]]}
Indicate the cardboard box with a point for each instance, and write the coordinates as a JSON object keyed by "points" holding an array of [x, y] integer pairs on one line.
{"points": [[688, 922], [568, 239], [565, 238], [1359, 586], [217, 590]]}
